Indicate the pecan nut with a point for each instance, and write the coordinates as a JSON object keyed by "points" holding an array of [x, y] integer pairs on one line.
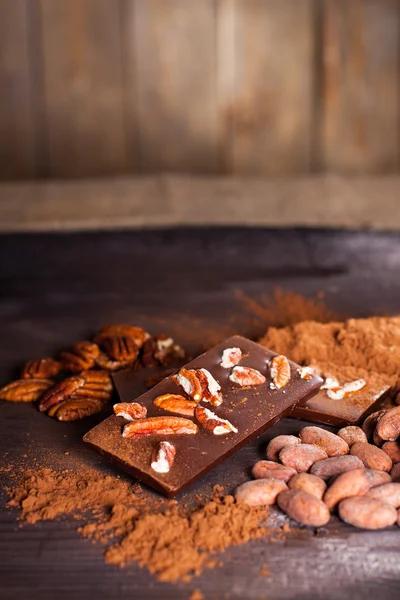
{"points": [[246, 376], [163, 350], [73, 410], [60, 392], [210, 388], [105, 362], [176, 404], [211, 421], [25, 390], [346, 390], [189, 381], [131, 411], [137, 334], [159, 426], [43, 368], [81, 357], [231, 357], [280, 372], [121, 348], [305, 373], [98, 385], [163, 457]]}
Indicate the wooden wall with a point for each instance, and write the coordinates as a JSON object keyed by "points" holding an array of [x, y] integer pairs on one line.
{"points": [[261, 87]]}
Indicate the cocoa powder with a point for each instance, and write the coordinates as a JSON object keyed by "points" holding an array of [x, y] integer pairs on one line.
{"points": [[353, 349], [173, 541]]}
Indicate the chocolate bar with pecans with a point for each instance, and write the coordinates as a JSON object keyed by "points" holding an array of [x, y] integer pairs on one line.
{"points": [[206, 411], [328, 408]]}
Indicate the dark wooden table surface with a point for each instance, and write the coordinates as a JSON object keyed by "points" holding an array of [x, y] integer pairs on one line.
{"points": [[57, 289]]}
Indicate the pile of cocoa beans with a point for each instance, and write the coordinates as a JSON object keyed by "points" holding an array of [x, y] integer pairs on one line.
{"points": [[355, 472]]}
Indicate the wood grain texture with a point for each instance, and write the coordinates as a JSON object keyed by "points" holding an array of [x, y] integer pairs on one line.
{"points": [[83, 87], [176, 201], [171, 70], [92, 279], [17, 132], [361, 85], [271, 111]]}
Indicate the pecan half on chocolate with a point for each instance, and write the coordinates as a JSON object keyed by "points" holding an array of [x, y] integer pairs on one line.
{"points": [[176, 404], [25, 390], [280, 372], [159, 426], [137, 334], [43, 368], [211, 421], [73, 410], [81, 357], [163, 457], [60, 392], [131, 411], [188, 380]]}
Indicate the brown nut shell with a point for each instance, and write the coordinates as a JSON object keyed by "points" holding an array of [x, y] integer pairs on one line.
{"points": [[308, 483], [388, 425], [268, 469], [261, 492], [331, 443], [335, 465], [300, 457], [279, 442], [352, 434], [388, 492], [371, 456], [367, 513], [304, 508]]}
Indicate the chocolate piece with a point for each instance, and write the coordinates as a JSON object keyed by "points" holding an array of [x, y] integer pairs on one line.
{"points": [[250, 409], [339, 413]]}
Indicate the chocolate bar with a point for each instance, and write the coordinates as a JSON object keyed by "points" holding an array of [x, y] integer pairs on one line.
{"points": [[350, 410], [206, 411]]}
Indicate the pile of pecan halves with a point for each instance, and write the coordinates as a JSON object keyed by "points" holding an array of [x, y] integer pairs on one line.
{"points": [[78, 383]]}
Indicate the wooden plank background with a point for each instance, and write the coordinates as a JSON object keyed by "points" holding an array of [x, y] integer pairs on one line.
{"points": [[256, 87]]}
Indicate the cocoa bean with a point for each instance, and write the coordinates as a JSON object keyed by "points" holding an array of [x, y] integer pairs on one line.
{"points": [[261, 492], [304, 508], [308, 483], [389, 493], [392, 449], [371, 456], [377, 440], [367, 513], [369, 424], [279, 442], [352, 434], [378, 477], [351, 483], [267, 469], [301, 456], [388, 424], [329, 467], [331, 443], [395, 473]]}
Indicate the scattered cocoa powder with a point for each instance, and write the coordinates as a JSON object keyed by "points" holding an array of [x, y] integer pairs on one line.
{"points": [[196, 595], [172, 540], [284, 308]]}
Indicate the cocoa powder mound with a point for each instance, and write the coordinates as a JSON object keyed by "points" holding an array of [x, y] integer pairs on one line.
{"points": [[355, 348], [173, 541]]}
